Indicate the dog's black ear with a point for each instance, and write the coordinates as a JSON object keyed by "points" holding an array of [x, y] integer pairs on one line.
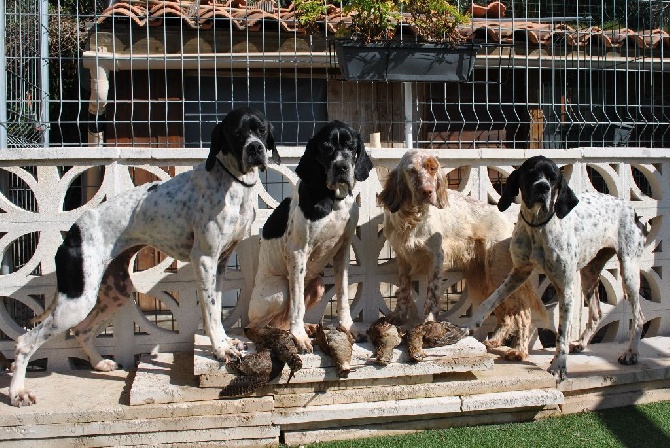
{"points": [[308, 167], [395, 192], [363, 163], [566, 199], [219, 143], [270, 144], [510, 191]]}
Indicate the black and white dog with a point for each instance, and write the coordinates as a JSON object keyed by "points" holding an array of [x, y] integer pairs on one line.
{"points": [[199, 215], [305, 232], [560, 233]]}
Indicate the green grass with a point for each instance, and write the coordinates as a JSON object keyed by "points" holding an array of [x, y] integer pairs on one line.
{"points": [[644, 426]]}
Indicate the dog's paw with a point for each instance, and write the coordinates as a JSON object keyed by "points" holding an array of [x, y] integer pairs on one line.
{"points": [[304, 343], [514, 355], [576, 347], [106, 365], [558, 369], [491, 343], [628, 358], [23, 397], [238, 345], [226, 352], [347, 324]]}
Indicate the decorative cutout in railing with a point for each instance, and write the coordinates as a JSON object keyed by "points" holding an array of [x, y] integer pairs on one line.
{"points": [[640, 175]]}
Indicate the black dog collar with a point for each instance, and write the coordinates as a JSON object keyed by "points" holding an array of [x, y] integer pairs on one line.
{"points": [[237, 179], [539, 224]]}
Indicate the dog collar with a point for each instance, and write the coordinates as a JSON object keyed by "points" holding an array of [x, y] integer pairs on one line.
{"points": [[539, 224], [237, 179]]}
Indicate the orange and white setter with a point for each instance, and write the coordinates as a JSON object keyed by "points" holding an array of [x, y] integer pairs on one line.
{"points": [[433, 229]]}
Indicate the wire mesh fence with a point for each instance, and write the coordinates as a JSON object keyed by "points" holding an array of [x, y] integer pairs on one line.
{"points": [[161, 73]]}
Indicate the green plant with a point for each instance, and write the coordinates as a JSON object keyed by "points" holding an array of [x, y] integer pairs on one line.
{"points": [[372, 19], [310, 12], [435, 20]]}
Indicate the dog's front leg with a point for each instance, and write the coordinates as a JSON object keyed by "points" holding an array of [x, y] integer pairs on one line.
{"points": [[431, 305], [405, 308], [205, 268], [565, 290], [341, 268], [297, 262]]}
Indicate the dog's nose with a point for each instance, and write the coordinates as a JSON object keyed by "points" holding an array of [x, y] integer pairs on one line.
{"points": [[541, 187], [428, 191], [255, 147], [340, 167]]}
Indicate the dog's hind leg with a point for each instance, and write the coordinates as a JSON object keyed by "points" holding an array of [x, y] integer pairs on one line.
{"points": [[523, 325], [504, 328], [590, 275], [115, 292], [630, 272], [67, 313], [76, 297], [269, 303]]}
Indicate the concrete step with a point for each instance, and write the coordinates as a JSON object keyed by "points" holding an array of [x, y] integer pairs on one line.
{"points": [[232, 437], [83, 408], [596, 380]]}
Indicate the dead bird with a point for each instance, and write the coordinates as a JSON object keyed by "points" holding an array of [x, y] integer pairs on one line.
{"points": [[385, 337], [255, 370], [431, 334], [337, 343], [281, 343]]}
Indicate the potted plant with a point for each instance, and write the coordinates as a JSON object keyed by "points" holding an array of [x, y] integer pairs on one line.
{"points": [[368, 47], [439, 52]]}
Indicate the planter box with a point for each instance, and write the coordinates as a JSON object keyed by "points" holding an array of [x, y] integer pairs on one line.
{"points": [[404, 61], [362, 62]]}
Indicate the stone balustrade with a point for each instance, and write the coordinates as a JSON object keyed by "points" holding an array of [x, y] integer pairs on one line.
{"points": [[638, 174]]}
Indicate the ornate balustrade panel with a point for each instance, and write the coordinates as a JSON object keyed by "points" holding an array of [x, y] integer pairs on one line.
{"points": [[641, 175]]}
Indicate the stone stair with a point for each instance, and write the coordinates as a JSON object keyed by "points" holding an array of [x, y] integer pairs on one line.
{"points": [[453, 384], [163, 404]]}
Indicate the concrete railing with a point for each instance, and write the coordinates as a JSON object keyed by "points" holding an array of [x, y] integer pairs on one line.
{"points": [[641, 175]]}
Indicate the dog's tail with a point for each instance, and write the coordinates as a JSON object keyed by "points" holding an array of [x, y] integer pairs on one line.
{"points": [[43, 315], [533, 299]]}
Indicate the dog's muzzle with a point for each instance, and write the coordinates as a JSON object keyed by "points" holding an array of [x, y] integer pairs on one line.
{"points": [[540, 193], [341, 180], [255, 155]]}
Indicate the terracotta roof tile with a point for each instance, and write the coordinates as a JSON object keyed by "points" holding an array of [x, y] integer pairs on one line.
{"points": [[250, 15]]}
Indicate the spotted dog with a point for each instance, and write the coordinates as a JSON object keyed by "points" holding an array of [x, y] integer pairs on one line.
{"points": [[560, 233], [198, 215], [309, 230], [433, 229]]}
